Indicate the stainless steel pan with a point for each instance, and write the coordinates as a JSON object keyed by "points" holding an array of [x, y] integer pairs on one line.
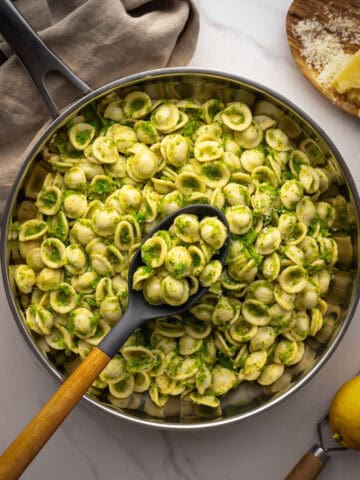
{"points": [[182, 83]]}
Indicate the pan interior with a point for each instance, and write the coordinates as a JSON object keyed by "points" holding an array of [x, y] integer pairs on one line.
{"points": [[248, 398]]}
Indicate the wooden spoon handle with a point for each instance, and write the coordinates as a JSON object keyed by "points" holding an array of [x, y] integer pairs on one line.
{"points": [[309, 466], [30, 441]]}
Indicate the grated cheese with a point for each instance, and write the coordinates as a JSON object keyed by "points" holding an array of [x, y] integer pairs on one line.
{"points": [[322, 44], [346, 28], [317, 45]]}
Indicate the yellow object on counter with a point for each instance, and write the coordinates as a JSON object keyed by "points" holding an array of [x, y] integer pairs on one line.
{"points": [[344, 415]]}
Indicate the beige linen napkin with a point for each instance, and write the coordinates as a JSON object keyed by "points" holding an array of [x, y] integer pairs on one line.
{"points": [[101, 40]]}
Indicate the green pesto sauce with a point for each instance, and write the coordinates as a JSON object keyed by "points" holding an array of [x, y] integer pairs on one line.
{"points": [[324, 229], [266, 150], [137, 104], [70, 326], [94, 123], [256, 310], [199, 327], [174, 366], [195, 260], [279, 210], [58, 143], [164, 234], [107, 122], [252, 253], [210, 276], [294, 276], [212, 171], [190, 128], [125, 236], [113, 258], [101, 189], [54, 254], [59, 340], [133, 366], [94, 321], [179, 269], [63, 296], [187, 200], [147, 128], [57, 230], [148, 270], [214, 109], [91, 302], [201, 378], [156, 363], [225, 361], [243, 328], [297, 165], [269, 189], [285, 356], [326, 255], [34, 229], [191, 183], [140, 217], [83, 137], [267, 219], [121, 385], [79, 296], [295, 234], [198, 114], [48, 198], [249, 238], [148, 253], [138, 337], [99, 331], [123, 293], [94, 283], [287, 176]]}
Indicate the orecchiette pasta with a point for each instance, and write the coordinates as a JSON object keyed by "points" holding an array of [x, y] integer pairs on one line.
{"points": [[105, 181]]}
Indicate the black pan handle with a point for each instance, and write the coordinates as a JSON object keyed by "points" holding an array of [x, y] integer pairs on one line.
{"points": [[36, 57]]}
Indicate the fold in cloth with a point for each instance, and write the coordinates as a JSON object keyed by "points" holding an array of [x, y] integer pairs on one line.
{"points": [[101, 40]]}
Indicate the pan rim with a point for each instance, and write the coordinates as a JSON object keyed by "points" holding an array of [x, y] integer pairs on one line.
{"points": [[158, 74]]}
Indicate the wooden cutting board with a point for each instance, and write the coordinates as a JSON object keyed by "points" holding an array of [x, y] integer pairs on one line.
{"points": [[310, 9]]}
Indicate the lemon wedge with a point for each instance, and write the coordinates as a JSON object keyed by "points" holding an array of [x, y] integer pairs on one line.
{"points": [[349, 77], [344, 414]]}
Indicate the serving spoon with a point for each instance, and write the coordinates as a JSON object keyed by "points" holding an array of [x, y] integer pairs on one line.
{"points": [[29, 442]]}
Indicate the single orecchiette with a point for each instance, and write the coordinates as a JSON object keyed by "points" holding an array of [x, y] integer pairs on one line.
{"points": [[63, 298], [24, 278], [237, 116], [81, 135]]}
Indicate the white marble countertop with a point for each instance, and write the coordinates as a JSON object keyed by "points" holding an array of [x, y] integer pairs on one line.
{"points": [[246, 37]]}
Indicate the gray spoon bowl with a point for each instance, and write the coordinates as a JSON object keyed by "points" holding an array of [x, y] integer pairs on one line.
{"points": [[139, 311]]}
